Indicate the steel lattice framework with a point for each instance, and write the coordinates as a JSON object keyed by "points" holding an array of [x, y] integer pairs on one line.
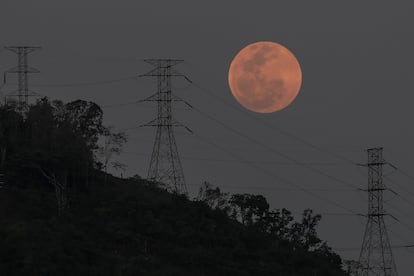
{"points": [[165, 166], [376, 257], [22, 69]]}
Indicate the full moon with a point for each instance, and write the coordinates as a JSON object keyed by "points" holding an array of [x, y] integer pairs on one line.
{"points": [[265, 77]]}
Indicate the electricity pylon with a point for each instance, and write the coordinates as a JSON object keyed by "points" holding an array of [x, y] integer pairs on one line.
{"points": [[376, 257], [22, 69], [165, 166]]}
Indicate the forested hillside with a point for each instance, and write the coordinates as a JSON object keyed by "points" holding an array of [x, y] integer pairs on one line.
{"points": [[62, 214]]}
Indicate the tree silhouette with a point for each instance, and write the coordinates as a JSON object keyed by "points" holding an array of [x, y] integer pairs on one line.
{"points": [[129, 226]]}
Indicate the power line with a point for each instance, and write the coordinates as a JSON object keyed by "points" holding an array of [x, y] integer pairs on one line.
{"points": [[401, 222], [287, 157], [408, 244], [287, 134], [405, 199], [404, 173], [358, 248], [406, 226], [274, 150], [279, 178], [287, 189], [119, 104], [272, 127], [376, 256], [250, 187], [411, 217], [278, 130], [165, 165], [399, 185], [271, 149], [270, 162], [249, 161], [401, 197], [133, 103], [92, 83], [398, 194]]}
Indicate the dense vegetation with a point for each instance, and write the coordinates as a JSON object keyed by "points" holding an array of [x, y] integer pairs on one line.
{"points": [[62, 214]]}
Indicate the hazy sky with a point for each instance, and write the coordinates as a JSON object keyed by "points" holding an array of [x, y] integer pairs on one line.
{"points": [[357, 64]]}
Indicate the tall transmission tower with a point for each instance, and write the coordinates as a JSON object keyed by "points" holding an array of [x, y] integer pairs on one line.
{"points": [[165, 166], [22, 69], [376, 257]]}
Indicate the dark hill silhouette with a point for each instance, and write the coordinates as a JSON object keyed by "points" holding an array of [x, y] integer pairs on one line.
{"points": [[61, 214]]}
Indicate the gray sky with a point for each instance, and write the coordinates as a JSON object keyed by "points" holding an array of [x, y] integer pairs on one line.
{"points": [[356, 60]]}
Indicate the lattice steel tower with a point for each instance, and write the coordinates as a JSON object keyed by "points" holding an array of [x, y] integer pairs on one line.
{"points": [[22, 69], [165, 166], [376, 257]]}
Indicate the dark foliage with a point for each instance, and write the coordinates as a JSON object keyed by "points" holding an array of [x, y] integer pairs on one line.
{"points": [[112, 226]]}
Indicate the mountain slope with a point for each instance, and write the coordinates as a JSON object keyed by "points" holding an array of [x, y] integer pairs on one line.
{"points": [[127, 227]]}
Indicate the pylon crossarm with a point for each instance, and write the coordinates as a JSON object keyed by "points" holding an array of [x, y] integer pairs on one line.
{"points": [[19, 70], [27, 49], [175, 98], [393, 217], [172, 74], [152, 73], [178, 124], [153, 122], [160, 62], [152, 98], [392, 191]]}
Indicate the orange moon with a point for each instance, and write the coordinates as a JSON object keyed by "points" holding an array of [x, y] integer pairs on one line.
{"points": [[265, 77]]}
